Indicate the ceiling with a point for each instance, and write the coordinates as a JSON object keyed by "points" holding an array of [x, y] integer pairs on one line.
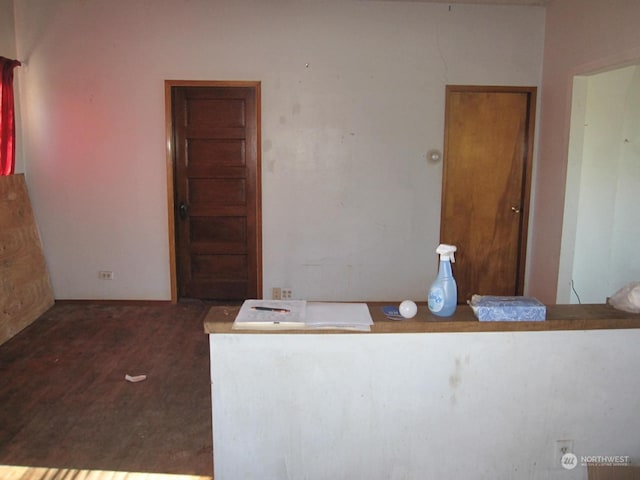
{"points": [[495, 2], [487, 2]]}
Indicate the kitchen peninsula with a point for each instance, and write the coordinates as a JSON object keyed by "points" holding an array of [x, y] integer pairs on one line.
{"points": [[426, 397]]}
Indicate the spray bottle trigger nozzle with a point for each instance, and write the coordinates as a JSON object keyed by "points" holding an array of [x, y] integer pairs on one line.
{"points": [[446, 252]]}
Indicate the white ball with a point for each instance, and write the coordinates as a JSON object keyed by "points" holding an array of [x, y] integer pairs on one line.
{"points": [[408, 309]]}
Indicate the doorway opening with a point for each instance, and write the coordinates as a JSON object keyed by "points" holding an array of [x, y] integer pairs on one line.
{"points": [[598, 255]]}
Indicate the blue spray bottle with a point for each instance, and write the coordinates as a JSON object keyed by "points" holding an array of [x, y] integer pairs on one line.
{"points": [[443, 294]]}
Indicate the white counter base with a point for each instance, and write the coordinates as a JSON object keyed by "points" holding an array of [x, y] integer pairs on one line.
{"points": [[421, 406]]}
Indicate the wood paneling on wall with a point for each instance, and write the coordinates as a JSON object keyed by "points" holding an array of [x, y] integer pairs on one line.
{"points": [[613, 472], [25, 289]]}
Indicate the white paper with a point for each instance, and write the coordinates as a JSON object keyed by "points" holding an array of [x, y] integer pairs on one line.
{"points": [[299, 314], [257, 314], [349, 316]]}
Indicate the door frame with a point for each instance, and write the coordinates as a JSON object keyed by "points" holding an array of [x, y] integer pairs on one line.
{"points": [[170, 161], [530, 131]]}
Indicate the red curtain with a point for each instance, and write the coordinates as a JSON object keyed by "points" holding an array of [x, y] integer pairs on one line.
{"points": [[7, 117]]}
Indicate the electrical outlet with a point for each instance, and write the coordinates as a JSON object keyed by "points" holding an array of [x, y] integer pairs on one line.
{"points": [[286, 293], [562, 447], [276, 293], [105, 275]]}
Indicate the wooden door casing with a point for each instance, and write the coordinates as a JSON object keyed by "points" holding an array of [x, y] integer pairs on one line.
{"points": [[486, 185], [216, 198]]}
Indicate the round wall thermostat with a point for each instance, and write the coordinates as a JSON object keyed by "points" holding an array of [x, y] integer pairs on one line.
{"points": [[434, 156]]}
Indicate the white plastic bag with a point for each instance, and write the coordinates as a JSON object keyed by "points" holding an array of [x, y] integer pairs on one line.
{"points": [[627, 298]]}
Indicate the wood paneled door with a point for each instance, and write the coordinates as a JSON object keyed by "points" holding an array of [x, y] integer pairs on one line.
{"points": [[216, 205], [488, 150]]}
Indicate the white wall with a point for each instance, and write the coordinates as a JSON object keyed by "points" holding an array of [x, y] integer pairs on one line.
{"points": [[605, 257], [625, 249], [8, 50], [352, 99], [422, 406], [7, 30]]}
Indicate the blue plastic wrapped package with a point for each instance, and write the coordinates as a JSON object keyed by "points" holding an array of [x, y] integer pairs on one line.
{"points": [[507, 309]]}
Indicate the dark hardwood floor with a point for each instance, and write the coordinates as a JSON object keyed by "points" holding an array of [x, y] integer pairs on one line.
{"points": [[65, 403]]}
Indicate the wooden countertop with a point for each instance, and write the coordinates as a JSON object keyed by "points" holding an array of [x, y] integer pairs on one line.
{"points": [[219, 320]]}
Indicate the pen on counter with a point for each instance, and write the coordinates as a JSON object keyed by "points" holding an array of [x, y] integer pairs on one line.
{"points": [[271, 309]]}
